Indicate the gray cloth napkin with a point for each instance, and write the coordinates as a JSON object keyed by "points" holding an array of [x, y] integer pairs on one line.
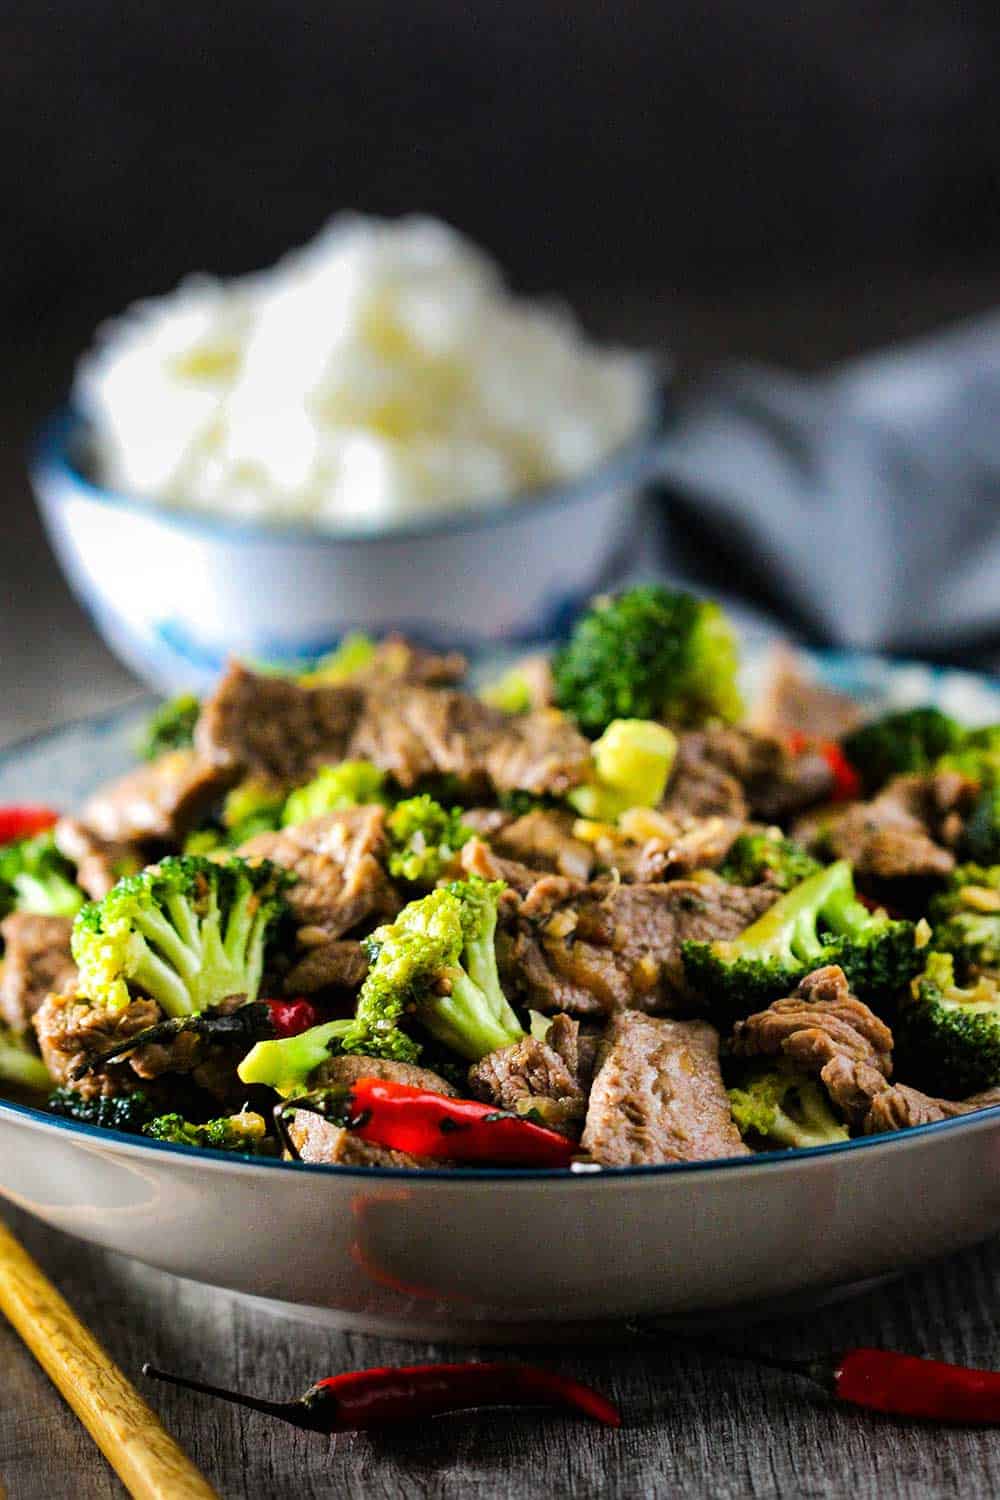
{"points": [[861, 508]]}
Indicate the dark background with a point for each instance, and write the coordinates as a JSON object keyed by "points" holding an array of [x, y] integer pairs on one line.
{"points": [[687, 144], [718, 178]]}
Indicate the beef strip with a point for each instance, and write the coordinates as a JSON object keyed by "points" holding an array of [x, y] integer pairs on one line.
{"points": [[341, 964], [340, 1072], [341, 883], [273, 729], [658, 1095], [792, 701], [830, 1034], [321, 1142], [775, 783], [283, 732], [649, 845], [477, 858], [903, 833], [37, 962], [99, 864], [399, 660], [699, 787], [599, 948], [71, 1031], [544, 841], [900, 1107], [530, 1076], [161, 801]]}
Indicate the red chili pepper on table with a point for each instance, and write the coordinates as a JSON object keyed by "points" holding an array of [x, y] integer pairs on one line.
{"points": [[383, 1397], [423, 1123], [24, 819]]}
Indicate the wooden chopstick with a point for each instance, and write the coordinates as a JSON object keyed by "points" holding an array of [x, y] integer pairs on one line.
{"points": [[145, 1458]]}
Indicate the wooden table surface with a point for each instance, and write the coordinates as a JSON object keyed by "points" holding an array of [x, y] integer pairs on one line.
{"points": [[695, 1424]]}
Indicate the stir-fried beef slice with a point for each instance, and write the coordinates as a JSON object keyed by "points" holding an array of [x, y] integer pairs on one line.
{"points": [[658, 1095], [342, 1071], [274, 729], [487, 822], [100, 864], [903, 833], [477, 858], [341, 882], [775, 783], [541, 752], [827, 1031], [900, 1107], [531, 1076], [71, 1032], [161, 801], [792, 701], [325, 1144], [340, 964], [699, 787], [543, 840], [604, 947], [37, 962]]}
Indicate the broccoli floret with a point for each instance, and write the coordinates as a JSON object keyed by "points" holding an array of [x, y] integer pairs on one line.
{"points": [[246, 1132], [817, 922], [948, 1038], [354, 653], [171, 727], [189, 932], [286, 1064], [510, 692], [436, 964], [252, 807], [353, 783], [128, 1112], [966, 917], [783, 1106], [424, 838], [35, 877], [767, 855], [980, 840], [650, 653], [909, 739], [20, 1064], [632, 762]]}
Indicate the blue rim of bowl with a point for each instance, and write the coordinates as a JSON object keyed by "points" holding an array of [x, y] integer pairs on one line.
{"points": [[39, 1118], [52, 459]]}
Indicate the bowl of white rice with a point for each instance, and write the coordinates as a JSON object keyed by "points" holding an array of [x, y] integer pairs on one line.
{"points": [[373, 434]]}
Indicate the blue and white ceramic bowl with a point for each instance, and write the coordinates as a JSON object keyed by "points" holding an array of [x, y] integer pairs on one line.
{"points": [[176, 594], [520, 1255]]}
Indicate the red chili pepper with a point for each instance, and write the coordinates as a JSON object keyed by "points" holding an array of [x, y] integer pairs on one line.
{"points": [[423, 1123], [846, 781], [292, 1017], [383, 1397], [23, 820]]}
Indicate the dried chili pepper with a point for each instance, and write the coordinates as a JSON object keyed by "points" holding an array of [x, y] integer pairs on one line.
{"points": [[423, 1123], [22, 820], [261, 1021], [846, 781], [385, 1396]]}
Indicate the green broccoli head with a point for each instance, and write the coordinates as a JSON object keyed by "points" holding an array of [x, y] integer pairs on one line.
{"points": [[909, 739], [20, 1064], [777, 1104], [353, 783], [947, 1039], [245, 1132], [189, 932], [35, 877], [966, 917], [424, 838], [818, 922], [171, 727], [436, 965], [649, 653], [767, 856], [129, 1112]]}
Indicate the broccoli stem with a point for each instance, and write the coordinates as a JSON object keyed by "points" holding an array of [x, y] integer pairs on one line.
{"points": [[788, 928]]}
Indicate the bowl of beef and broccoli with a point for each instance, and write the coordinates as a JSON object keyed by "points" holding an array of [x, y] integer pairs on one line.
{"points": [[374, 973]]}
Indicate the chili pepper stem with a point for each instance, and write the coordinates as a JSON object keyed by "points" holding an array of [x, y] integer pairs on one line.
{"points": [[287, 1410]]}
